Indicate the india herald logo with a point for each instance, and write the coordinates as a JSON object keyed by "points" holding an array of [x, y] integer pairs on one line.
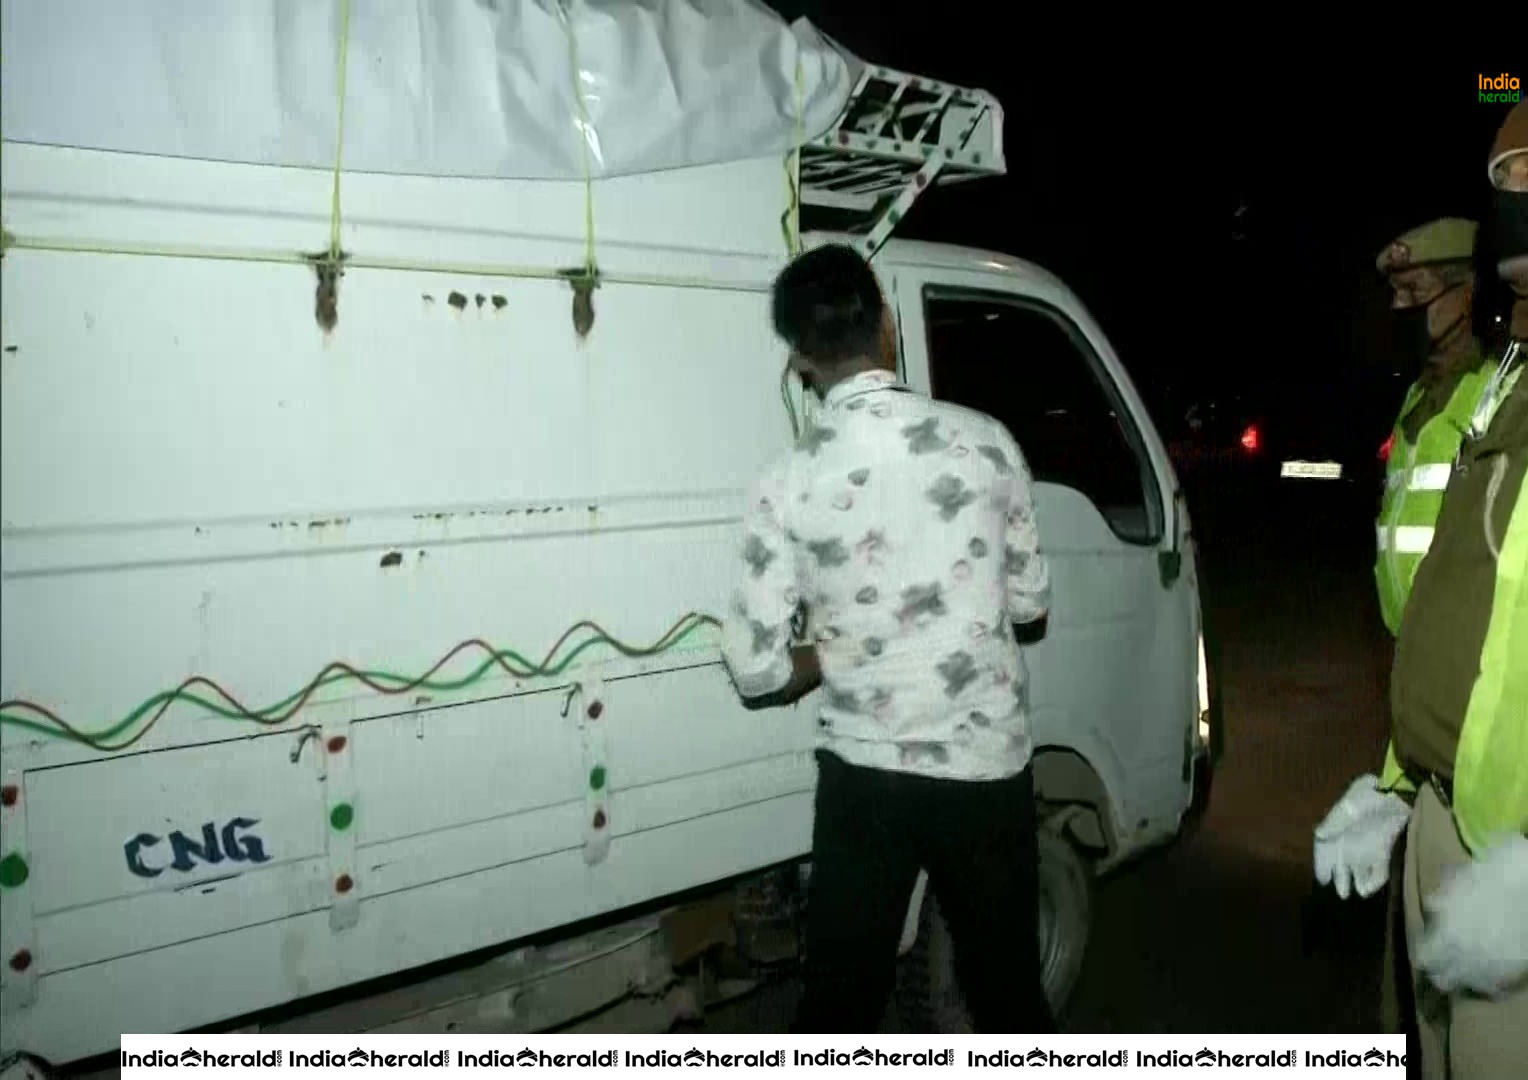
{"points": [[233, 842]]}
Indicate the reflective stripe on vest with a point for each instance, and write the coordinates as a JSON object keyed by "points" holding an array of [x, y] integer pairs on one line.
{"points": [[1417, 475], [1404, 539], [1422, 478], [1429, 477]]}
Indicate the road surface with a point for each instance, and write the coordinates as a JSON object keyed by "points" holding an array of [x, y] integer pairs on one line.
{"points": [[1221, 934]]}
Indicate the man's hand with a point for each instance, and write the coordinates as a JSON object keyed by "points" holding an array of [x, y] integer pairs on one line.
{"points": [[806, 672], [1355, 840], [806, 675], [1032, 632], [1477, 933]]}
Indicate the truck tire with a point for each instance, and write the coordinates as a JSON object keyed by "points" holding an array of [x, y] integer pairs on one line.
{"points": [[1066, 916], [927, 997]]}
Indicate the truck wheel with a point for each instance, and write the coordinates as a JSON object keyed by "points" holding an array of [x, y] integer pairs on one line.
{"points": [[1066, 915], [927, 998]]}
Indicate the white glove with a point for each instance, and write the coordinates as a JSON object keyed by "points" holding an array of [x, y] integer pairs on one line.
{"points": [[1477, 934], [1355, 839]]}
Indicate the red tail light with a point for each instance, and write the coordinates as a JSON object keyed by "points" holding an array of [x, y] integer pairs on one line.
{"points": [[1252, 439], [1386, 447]]}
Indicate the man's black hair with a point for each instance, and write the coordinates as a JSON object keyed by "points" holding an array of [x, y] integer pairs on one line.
{"points": [[827, 306]]}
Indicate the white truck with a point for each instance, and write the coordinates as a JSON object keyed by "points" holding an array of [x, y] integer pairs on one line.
{"points": [[365, 520]]}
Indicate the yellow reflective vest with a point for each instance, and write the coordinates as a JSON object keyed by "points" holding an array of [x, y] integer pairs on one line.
{"points": [[1490, 768], [1415, 476]]}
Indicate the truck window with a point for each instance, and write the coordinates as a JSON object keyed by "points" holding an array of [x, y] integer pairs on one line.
{"points": [[1025, 363]]}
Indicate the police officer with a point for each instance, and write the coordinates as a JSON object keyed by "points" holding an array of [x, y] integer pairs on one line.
{"points": [[1432, 280], [1459, 703], [1431, 275]]}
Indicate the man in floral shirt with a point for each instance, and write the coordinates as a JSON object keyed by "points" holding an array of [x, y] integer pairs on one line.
{"points": [[906, 529]]}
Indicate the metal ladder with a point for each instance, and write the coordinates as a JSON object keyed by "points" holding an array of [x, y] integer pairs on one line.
{"points": [[898, 135]]}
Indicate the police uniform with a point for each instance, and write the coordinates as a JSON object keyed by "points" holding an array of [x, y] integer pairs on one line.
{"points": [[1459, 704], [1459, 701], [1427, 432]]}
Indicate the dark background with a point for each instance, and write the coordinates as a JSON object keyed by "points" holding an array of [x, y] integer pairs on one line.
{"points": [[1216, 197]]}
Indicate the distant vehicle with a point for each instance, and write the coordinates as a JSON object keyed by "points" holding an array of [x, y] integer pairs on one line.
{"points": [[1332, 436]]}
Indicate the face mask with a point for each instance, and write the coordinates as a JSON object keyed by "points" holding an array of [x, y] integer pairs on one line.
{"points": [[1413, 342], [1511, 236], [1414, 338], [1511, 224]]}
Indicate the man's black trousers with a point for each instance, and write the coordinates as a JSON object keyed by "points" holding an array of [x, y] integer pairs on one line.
{"points": [[874, 830]]}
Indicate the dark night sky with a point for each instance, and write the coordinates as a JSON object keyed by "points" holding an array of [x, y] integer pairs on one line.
{"points": [[1126, 173]]}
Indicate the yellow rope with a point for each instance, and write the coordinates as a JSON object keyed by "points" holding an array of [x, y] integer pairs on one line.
{"points": [[790, 221], [790, 404], [583, 143], [790, 224], [372, 262], [339, 135], [6, 239]]}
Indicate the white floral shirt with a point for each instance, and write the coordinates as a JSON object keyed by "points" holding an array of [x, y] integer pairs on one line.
{"points": [[906, 527]]}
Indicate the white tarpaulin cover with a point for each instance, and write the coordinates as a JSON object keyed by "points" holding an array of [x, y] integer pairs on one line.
{"points": [[433, 87]]}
